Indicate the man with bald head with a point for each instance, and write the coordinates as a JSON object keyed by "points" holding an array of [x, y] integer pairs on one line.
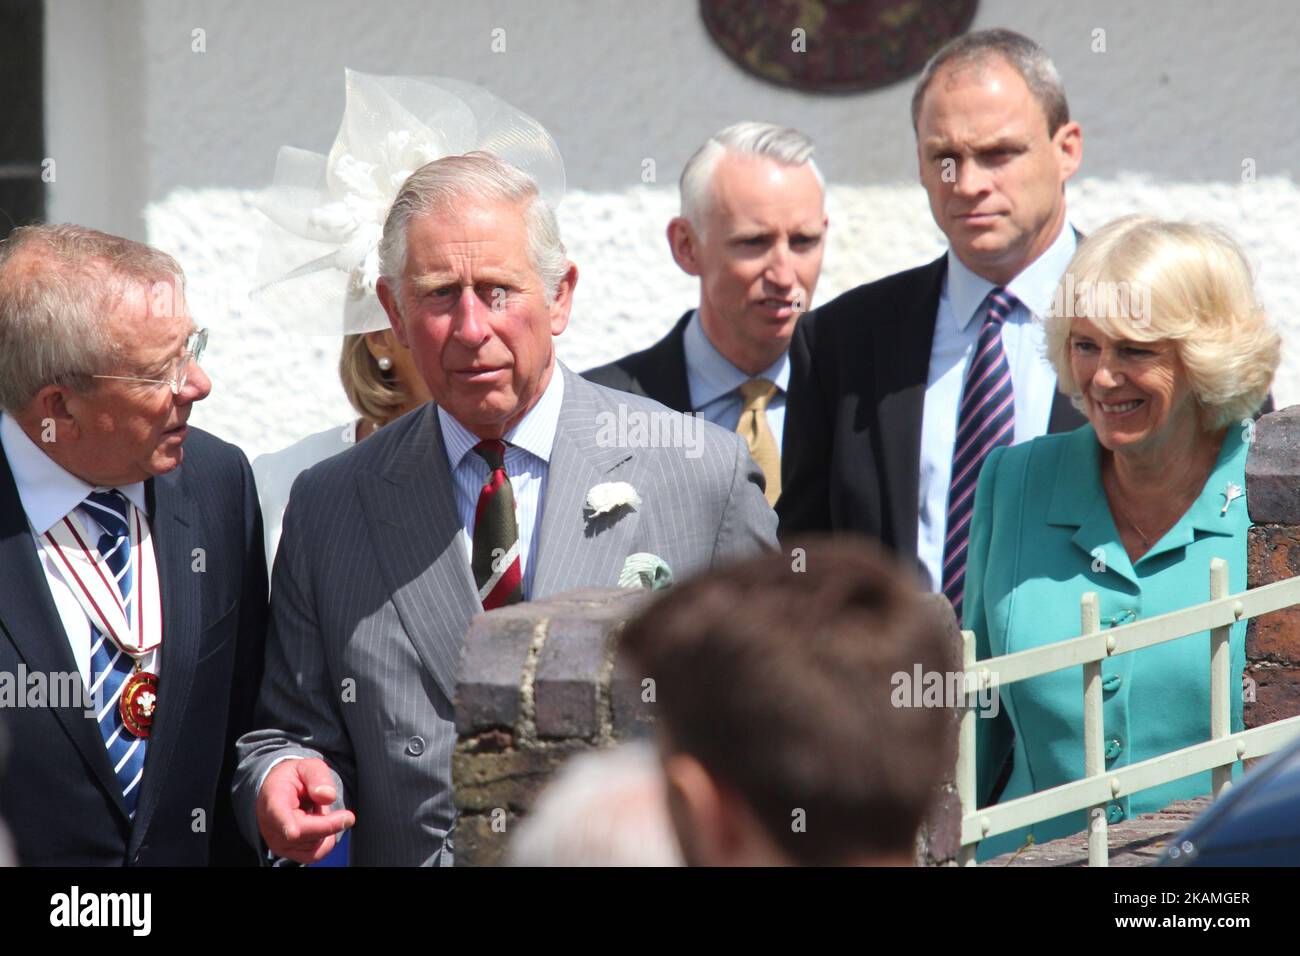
{"points": [[752, 228], [132, 576], [912, 380]]}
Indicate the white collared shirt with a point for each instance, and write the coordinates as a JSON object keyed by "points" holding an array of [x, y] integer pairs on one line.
{"points": [[49, 493], [714, 382], [527, 461], [956, 329]]}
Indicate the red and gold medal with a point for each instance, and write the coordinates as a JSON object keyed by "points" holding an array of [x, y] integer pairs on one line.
{"points": [[138, 702]]}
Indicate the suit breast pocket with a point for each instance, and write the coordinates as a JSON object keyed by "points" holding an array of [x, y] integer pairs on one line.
{"points": [[219, 634]]}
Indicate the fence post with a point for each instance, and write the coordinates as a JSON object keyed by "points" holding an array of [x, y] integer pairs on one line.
{"points": [[966, 765], [1094, 732], [1220, 674]]}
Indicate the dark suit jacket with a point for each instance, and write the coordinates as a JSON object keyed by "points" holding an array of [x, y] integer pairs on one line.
{"points": [[58, 793], [859, 366], [658, 372]]}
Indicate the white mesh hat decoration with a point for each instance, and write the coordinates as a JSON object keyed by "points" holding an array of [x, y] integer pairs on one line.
{"points": [[319, 261]]}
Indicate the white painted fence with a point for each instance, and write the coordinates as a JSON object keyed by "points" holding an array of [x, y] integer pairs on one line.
{"points": [[1098, 785]]}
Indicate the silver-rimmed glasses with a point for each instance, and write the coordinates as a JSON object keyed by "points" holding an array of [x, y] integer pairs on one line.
{"points": [[179, 373]]}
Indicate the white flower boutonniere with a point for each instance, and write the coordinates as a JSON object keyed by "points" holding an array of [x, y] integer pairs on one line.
{"points": [[608, 497]]}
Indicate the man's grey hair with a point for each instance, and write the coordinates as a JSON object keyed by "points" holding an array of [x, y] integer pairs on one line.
{"points": [[604, 808], [1019, 52], [783, 145], [438, 185], [58, 285]]}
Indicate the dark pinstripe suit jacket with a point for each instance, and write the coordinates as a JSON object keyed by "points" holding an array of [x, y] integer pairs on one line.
{"points": [[58, 792], [372, 586]]}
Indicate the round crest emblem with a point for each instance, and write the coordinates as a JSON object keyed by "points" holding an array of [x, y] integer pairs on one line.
{"points": [[834, 46]]}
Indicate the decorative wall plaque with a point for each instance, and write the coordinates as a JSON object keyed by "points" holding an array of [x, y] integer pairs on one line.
{"points": [[834, 46]]}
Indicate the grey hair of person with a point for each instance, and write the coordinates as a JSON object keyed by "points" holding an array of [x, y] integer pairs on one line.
{"points": [[57, 285], [603, 808], [781, 144], [439, 185], [1019, 52]]}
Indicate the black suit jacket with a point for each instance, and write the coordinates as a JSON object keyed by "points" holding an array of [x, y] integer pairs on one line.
{"points": [[658, 372], [58, 793], [859, 366]]}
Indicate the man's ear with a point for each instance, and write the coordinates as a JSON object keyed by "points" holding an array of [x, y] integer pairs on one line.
{"points": [[563, 302], [685, 244], [700, 813], [51, 415], [388, 299], [1069, 148]]}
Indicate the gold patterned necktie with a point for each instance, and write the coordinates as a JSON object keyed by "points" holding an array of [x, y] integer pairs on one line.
{"points": [[753, 427]]}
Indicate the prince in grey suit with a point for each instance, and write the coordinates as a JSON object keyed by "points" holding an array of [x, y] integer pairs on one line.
{"points": [[379, 569]]}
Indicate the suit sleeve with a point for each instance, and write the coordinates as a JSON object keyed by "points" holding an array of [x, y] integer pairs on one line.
{"points": [[748, 524], [993, 735], [806, 441], [299, 709], [227, 847]]}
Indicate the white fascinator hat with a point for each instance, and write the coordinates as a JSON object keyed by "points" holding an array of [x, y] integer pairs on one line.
{"points": [[319, 261]]}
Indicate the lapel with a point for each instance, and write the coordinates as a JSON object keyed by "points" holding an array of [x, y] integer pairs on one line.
{"points": [[176, 531], [30, 620], [902, 340], [572, 551], [663, 373], [409, 502], [1079, 501]]}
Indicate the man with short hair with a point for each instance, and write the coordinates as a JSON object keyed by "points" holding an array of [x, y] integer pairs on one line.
{"points": [[752, 228], [904, 385], [779, 717], [131, 563], [511, 485]]}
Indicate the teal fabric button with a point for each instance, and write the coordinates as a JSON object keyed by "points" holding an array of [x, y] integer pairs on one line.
{"points": [[1110, 683], [1114, 813], [1113, 748]]}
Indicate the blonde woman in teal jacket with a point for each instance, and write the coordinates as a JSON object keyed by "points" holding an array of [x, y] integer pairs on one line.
{"points": [[1157, 336]]}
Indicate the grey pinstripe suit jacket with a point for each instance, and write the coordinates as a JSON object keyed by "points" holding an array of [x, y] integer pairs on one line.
{"points": [[372, 591]]}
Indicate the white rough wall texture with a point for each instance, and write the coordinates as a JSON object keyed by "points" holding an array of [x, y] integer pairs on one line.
{"points": [[158, 141]]}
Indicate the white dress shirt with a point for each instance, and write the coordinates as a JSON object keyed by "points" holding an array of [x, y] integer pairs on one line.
{"points": [[527, 460], [956, 329], [714, 382], [49, 493]]}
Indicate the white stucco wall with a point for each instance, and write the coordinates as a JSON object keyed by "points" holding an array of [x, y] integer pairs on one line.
{"points": [[157, 141]]}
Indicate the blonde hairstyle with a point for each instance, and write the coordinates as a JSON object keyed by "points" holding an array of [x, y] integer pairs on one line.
{"points": [[376, 395], [1148, 280]]}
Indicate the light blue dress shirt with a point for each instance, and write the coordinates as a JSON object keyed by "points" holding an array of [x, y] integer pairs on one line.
{"points": [[956, 329], [714, 382], [527, 461]]}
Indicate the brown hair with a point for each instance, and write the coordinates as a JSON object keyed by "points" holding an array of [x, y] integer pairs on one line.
{"points": [[777, 675], [376, 395]]}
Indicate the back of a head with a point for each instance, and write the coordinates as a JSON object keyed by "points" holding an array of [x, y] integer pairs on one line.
{"points": [[776, 675], [57, 284], [604, 808], [780, 144]]}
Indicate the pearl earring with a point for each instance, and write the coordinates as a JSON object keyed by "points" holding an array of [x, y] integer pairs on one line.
{"points": [[385, 363]]}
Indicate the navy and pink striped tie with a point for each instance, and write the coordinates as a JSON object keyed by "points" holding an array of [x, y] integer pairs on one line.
{"points": [[986, 420]]}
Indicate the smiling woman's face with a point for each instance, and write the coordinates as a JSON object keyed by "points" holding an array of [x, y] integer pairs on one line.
{"points": [[1135, 394]]}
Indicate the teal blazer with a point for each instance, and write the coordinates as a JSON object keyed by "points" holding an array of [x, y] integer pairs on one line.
{"points": [[1041, 535]]}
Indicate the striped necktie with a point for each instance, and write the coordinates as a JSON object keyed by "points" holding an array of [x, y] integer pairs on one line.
{"points": [[986, 420], [498, 571], [109, 665]]}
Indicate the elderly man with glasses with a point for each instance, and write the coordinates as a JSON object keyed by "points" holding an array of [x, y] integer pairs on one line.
{"points": [[132, 575]]}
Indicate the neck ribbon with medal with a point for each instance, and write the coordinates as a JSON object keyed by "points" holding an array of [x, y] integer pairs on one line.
{"points": [[92, 583]]}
